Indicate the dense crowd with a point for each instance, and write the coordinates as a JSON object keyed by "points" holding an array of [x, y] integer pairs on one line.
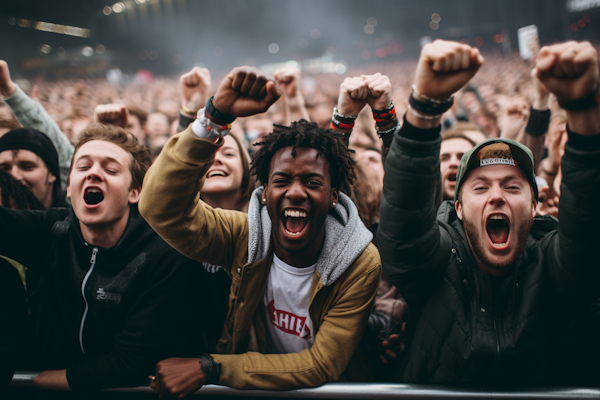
{"points": [[424, 221]]}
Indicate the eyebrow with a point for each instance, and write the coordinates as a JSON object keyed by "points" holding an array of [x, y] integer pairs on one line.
{"points": [[305, 176], [87, 156]]}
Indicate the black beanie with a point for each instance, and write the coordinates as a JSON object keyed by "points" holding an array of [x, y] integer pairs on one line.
{"points": [[35, 141]]}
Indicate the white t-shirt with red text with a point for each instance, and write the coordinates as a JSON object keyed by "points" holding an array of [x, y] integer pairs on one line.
{"points": [[287, 298]]}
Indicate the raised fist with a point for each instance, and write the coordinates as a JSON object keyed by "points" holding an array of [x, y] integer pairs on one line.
{"points": [[288, 80], [111, 114], [514, 119], [353, 96], [445, 67], [569, 70], [245, 92], [7, 86], [195, 87], [379, 91]]}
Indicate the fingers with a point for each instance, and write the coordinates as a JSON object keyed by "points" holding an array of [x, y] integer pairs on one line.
{"points": [[447, 56]]}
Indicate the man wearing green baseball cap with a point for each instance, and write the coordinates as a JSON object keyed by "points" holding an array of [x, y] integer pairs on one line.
{"points": [[491, 289]]}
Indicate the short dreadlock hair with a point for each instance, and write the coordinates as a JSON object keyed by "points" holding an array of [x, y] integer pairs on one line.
{"points": [[327, 142], [23, 198]]}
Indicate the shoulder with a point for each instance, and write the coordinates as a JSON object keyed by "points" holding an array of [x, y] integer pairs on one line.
{"points": [[366, 266]]}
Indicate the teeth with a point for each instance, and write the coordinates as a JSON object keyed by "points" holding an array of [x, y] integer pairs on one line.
{"points": [[497, 217], [216, 173], [499, 244], [292, 233], [295, 214], [93, 190]]}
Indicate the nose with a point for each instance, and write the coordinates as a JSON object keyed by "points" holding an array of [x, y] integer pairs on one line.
{"points": [[15, 172], [454, 160], [296, 192], [496, 195], [94, 174]]}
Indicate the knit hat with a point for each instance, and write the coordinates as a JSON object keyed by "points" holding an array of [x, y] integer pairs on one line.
{"points": [[36, 142], [496, 151]]}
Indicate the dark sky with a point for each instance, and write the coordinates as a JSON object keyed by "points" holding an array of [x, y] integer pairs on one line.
{"points": [[225, 33]]}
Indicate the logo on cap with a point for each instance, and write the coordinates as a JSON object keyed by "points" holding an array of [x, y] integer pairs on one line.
{"points": [[496, 153]]}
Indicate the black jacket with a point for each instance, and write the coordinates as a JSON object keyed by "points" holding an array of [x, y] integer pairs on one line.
{"points": [[466, 326], [129, 317]]}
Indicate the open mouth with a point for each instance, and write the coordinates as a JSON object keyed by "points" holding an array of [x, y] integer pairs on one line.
{"points": [[212, 174], [498, 229], [93, 196], [452, 179], [294, 221]]}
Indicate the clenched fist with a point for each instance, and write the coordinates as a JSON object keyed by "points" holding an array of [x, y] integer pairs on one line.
{"points": [[195, 87], [445, 67], [111, 114]]}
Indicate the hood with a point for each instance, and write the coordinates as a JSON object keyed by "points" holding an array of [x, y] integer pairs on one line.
{"points": [[346, 237]]}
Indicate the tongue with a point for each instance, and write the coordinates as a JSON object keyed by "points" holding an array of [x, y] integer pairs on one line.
{"points": [[498, 234], [295, 225], [93, 197]]}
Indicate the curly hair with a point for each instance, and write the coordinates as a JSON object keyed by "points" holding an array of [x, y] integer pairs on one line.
{"points": [[327, 142], [23, 198]]}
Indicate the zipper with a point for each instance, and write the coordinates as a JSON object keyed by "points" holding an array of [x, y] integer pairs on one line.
{"points": [[85, 279]]}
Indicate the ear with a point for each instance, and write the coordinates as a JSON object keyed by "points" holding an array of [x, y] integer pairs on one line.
{"points": [[534, 209], [69, 191], [458, 208], [334, 197], [51, 179], [134, 195]]}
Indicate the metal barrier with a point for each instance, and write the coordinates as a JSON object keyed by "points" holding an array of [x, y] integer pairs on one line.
{"points": [[24, 381]]}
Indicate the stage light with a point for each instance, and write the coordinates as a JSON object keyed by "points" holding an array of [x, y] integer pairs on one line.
{"points": [[45, 49], [118, 7], [478, 41], [434, 25], [340, 69], [372, 21], [369, 29], [107, 10], [498, 38], [100, 49], [436, 18], [87, 51], [60, 51], [273, 48]]}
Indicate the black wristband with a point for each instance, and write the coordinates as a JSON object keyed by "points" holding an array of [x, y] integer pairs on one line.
{"points": [[185, 121], [219, 116], [538, 122], [430, 107], [211, 368], [586, 102]]}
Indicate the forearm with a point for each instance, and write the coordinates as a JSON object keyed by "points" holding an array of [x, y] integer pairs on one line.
{"points": [[31, 114], [586, 122], [294, 109]]}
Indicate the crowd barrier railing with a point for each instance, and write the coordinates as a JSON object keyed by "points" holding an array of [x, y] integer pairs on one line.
{"points": [[357, 391]]}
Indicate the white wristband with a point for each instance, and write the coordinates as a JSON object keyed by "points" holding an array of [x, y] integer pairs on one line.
{"points": [[206, 129]]}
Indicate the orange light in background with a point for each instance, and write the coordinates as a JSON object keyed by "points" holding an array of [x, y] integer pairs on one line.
{"points": [[586, 18], [478, 41], [176, 59], [381, 52], [365, 54], [574, 27], [434, 25], [498, 38], [581, 23]]}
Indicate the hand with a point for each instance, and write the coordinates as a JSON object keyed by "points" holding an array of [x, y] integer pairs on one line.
{"points": [[445, 67], [178, 377], [111, 114], [245, 92], [556, 149], [379, 91], [7, 86], [353, 96], [514, 119], [393, 346], [288, 80], [569, 70], [52, 380], [195, 87], [547, 204], [35, 93]]}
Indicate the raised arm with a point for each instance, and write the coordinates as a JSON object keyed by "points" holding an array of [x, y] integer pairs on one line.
{"points": [[31, 114], [409, 237], [293, 103], [570, 71], [170, 197]]}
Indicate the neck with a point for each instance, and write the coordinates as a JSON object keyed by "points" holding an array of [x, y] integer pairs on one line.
{"points": [[224, 200], [105, 236]]}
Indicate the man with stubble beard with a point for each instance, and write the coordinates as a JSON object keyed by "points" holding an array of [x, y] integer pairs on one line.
{"points": [[493, 291]]}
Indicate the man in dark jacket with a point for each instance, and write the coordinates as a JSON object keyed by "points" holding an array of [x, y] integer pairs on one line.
{"points": [[491, 289], [103, 286]]}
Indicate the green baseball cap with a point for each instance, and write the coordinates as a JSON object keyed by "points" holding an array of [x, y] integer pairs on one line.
{"points": [[496, 151]]}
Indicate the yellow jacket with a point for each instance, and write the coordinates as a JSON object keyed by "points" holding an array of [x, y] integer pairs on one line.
{"points": [[341, 299]]}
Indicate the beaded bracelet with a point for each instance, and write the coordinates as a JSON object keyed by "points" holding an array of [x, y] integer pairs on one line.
{"points": [[337, 115], [387, 131], [335, 124]]}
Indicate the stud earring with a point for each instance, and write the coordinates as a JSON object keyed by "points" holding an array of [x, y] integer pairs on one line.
{"points": [[334, 203], [264, 200]]}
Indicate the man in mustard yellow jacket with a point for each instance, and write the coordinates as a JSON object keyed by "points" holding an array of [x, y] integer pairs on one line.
{"points": [[304, 273]]}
